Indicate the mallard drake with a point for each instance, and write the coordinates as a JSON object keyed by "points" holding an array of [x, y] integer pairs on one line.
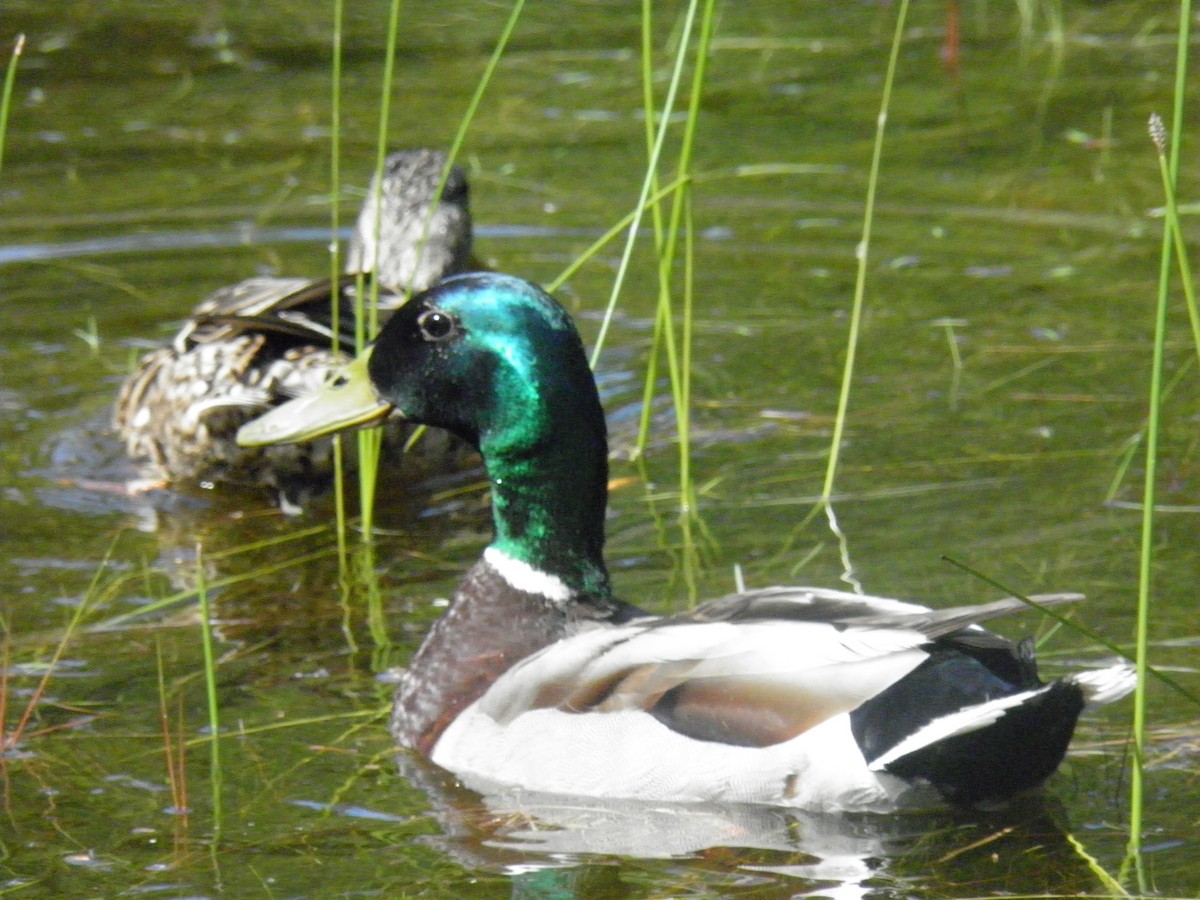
{"points": [[538, 677], [254, 345]]}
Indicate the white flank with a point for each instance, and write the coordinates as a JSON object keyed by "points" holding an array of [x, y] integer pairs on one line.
{"points": [[1101, 686], [964, 721], [524, 577], [631, 755]]}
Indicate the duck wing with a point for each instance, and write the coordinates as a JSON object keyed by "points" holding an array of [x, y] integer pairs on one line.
{"points": [[291, 311], [752, 669]]}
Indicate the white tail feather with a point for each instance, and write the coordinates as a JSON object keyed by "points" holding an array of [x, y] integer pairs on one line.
{"points": [[1101, 686]]}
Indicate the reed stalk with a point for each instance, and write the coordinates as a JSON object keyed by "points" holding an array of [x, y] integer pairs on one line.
{"points": [[174, 752], [647, 183], [210, 691], [10, 79], [335, 267], [367, 306], [369, 440], [1168, 155], [862, 254]]}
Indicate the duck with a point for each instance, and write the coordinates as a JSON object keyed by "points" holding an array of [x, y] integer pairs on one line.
{"points": [[537, 677], [254, 345]]}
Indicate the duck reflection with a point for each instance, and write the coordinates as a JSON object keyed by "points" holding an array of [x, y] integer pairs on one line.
{"points": [[563, 846]]}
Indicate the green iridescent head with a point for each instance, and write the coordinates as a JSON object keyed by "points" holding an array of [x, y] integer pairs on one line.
{"points": [[495, 360], [490, 357]]}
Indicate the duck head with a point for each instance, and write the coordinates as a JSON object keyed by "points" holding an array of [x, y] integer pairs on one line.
{"points": [[498, 362], [408, 233]]}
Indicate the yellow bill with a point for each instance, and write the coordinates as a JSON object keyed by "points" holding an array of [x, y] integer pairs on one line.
{"points": [[347, 400]]}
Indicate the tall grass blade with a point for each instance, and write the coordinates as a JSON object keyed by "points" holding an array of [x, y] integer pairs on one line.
{"points": [[481, 87], [862, 254], [679, 350], [335, 265], [656, 218], [369, 440], [176, 772], [10, 78], [210, 691], [1145, 561], [647, 183], [681, 217], [367, 303], [90, 600], [1159, 136], [1146, 556]]}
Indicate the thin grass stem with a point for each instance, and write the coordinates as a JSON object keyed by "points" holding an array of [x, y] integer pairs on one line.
{"points": [[681, 209], [210, 690], [862, 255], [369, 439], [89, 601], [647, 182], [648, 112], [174, 766], [1145, 561], [335, 266], [10, 78], [481, 86], [1073, 625], [679, 364], [1173, 228], [182, 596], [597, 245], [1146, 556], [648, 118]]}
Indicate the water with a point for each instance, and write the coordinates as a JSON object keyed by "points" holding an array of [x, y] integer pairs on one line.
{"points": [[158, 151]]}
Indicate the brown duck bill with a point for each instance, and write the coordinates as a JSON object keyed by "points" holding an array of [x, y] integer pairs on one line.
{"points": [[347, 401]]}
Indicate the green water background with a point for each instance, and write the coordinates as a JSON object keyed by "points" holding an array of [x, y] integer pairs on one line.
{"points": [[1016, 204]]}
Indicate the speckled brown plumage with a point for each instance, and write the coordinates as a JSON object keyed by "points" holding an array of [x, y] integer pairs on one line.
{"points": [[257, 344]]}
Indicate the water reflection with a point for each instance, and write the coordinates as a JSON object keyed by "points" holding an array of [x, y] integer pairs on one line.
{"points": [[834, 855]]}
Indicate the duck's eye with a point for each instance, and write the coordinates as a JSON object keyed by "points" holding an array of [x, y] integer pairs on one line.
{"points": [[436, 325]]}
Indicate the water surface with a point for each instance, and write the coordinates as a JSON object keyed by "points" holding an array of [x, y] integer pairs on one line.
{"points": [[158, 151]]}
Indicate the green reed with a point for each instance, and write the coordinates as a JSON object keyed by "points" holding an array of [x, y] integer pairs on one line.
{"points": [[1158, 135], [210, 691], [367, 307], [678, 349], [174, 745], [92, 597], [369, 440], [659, 194], [10, 79], [860, 284], [1168, 156], [335, 267]]}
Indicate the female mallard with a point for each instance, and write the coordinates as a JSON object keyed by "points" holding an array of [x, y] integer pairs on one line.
{"points": [[538, 677], [254, 345]]}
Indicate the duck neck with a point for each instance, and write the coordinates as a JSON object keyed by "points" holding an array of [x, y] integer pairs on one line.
{"points": [[548, 502]]}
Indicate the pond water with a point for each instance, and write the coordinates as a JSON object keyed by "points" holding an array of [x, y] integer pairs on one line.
{"points": [[159, 150]]}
